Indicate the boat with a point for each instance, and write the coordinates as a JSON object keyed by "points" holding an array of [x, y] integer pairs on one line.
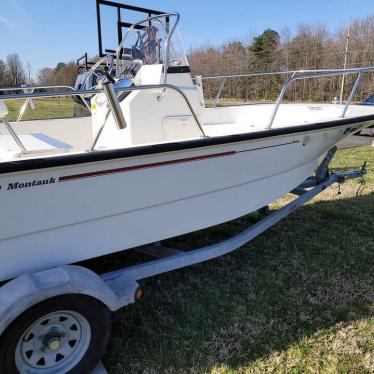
{"points": [[152, 161]]}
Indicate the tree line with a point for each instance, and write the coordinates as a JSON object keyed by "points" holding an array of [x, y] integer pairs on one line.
{"points": [[12, 73], [310, 48], [63, 73]]}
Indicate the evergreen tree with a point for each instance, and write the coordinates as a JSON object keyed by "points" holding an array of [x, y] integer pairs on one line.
{"points": [[59, 66], [263, 49]]}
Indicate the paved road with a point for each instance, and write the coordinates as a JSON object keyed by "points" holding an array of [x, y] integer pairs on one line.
{"points": [[355, 141]]}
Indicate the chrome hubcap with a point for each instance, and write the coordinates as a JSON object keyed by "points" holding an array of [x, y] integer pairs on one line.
{"points": [[54, 344]]}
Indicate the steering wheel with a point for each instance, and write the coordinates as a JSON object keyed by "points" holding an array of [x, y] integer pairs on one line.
{"points": [[99, 74]]}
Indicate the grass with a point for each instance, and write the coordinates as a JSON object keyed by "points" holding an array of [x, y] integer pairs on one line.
{"points": [[45, 109], [297, 299]]}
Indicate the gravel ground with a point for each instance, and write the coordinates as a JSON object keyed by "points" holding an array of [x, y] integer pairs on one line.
{"points": [[356, 141]]}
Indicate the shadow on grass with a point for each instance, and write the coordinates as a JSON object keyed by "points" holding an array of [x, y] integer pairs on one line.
{"points": [[309, 272]]}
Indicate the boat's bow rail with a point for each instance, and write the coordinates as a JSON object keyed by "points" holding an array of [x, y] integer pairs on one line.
{"points": [[31, 89], [108, 89], [296, 75], [111, 93]]}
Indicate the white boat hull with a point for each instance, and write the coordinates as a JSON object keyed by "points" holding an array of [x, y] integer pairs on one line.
{"points": [[88, 210]]}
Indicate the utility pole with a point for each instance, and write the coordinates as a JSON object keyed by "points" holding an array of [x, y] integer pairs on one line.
{"points": [[29, 70], [345, 63]]}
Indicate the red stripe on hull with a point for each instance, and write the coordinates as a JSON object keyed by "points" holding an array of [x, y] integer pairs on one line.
{"points": [[144, 166]]}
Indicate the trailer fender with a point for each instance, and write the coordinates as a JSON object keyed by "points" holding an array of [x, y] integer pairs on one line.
{"points": [[21, 293]]}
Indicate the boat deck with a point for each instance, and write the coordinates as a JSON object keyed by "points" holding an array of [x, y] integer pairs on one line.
{"points": [[55, 137]]}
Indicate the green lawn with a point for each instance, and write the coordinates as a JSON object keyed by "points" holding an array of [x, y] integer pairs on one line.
{"points": [[297, 299], [45, 109]]}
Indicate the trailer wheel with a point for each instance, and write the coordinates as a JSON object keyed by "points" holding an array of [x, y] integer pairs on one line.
{"points": [[67, 333]]}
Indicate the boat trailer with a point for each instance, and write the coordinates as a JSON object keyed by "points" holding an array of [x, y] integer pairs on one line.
{"points": [[119, 288]]}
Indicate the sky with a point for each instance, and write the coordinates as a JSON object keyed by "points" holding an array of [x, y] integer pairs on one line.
{"points": [[44, 32]]}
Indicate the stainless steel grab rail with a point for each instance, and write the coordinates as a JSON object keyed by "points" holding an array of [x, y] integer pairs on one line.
{"points": [[40, 87], [224, 79], [32, 89], [84, 93], [28, 102], [296, 75], [317, 74], [110, 63], [14, 135], [249, 74], [166, 45]]}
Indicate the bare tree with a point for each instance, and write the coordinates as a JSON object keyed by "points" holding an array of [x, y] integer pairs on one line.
{"points": [[14, 70], [46, 76], [3, 80]]}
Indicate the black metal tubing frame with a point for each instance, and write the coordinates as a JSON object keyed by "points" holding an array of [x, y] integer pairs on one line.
{"points": [[120, 23], [85, 63]]}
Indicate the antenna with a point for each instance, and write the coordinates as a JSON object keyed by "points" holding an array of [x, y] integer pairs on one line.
{"points": [[345, 62]]}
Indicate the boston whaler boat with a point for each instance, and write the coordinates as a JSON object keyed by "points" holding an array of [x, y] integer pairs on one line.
{"points": [[151, 162], [157, 164]]}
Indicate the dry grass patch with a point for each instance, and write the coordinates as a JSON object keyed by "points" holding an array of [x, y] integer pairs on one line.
{"points": [[344, 348]]}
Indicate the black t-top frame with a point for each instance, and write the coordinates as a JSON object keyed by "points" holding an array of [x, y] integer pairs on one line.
{"points": [[121, 24]]}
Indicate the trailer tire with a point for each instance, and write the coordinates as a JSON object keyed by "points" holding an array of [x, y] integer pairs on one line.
{"points": [[67, 333]]}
